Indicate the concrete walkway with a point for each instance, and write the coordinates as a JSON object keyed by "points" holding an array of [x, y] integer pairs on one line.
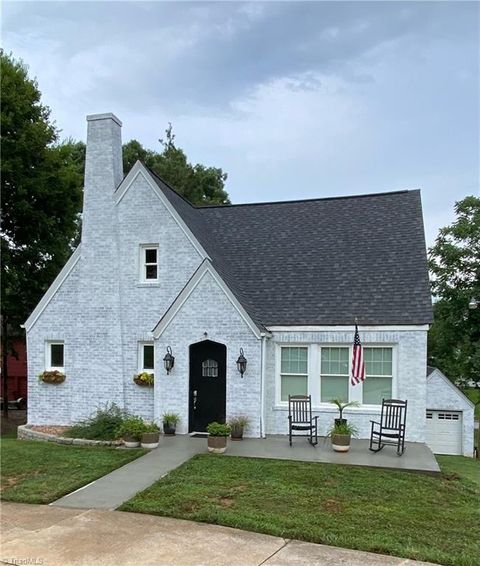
{"points": [[52, 536], [110, 491]]}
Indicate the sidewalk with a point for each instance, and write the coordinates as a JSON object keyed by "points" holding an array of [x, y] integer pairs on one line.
{"points": [[110, 491], [52, 536]]}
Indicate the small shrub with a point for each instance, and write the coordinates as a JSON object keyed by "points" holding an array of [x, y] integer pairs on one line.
{"points": [[53, 376], [171, 419], [218, 429], [133, 427], [102, 425], [151, 427], [343, 428], [239, 422], [144, 378]]}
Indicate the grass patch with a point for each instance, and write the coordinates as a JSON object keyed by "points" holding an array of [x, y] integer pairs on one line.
{"points": [[41, 472], [414, 516]]}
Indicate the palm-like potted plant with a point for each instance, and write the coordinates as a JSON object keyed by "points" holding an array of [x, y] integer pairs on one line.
{"points": [[130, 431], [341, 406], [341, 436], [170, 421], [238, 425], [150, 436], [217, 437]]}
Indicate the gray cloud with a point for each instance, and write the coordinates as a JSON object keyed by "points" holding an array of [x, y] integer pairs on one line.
{"points": [[293, 99]]}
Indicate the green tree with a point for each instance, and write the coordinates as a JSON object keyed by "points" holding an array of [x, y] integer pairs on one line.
{"points": [[41, 200], [454, 260], [199, 184]]}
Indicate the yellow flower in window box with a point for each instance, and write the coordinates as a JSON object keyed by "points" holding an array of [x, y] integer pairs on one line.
{"points": [[144, 379]]}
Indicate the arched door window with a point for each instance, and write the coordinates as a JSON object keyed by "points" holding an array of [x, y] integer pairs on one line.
{"points": [[209, 368]]}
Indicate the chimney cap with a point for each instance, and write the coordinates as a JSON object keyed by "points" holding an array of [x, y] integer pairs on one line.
{"points": [[105, 116]]}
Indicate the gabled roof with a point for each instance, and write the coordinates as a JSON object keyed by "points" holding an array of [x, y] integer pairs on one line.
{"points": [[432, 372], [319, 261]]}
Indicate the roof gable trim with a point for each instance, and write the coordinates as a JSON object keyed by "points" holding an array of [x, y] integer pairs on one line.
{"points": [[140, 169], [52, 290], [204, 268]]}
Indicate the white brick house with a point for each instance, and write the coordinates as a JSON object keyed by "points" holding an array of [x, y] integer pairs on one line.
{"points": [[284, 282]]}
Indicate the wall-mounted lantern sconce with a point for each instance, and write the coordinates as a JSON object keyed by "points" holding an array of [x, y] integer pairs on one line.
{"points": [[473, 304], [169, 360], [241, 363]]}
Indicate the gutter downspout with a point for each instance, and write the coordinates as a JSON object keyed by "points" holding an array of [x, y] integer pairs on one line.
{"points": [[262, 385]]}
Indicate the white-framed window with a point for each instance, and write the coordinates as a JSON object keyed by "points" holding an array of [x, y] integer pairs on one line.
{"points": [[293, 371], [324, 370], [378, 374], [149, 263], [146, 357], [55, 356], [334, 373]]}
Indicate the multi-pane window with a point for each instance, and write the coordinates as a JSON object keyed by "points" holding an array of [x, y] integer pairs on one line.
{"points": [[293, 371], [147, 358], [334, 374], [209, 368], [55, 355], [149, 263], [378, 375]]}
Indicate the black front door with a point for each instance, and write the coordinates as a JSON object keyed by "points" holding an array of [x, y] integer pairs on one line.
{"points": [[208, 365]]}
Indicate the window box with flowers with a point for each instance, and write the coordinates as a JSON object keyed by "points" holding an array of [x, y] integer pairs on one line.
{"points": [[144, 379], [52, 376]]}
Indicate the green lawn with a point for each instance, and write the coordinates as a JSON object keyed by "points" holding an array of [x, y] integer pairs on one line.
{"points": [[40, 472], [432, 518]]}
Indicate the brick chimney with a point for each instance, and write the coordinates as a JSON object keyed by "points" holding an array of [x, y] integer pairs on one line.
{"points": [[103, 174]]}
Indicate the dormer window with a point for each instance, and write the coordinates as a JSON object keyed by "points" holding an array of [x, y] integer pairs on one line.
{"points": [[149, 263]]}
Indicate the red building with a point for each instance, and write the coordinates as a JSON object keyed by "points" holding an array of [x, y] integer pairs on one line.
{"points": [[17, 371]]}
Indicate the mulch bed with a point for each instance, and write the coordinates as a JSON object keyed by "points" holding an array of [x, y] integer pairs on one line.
{"points": [[56, 430]]}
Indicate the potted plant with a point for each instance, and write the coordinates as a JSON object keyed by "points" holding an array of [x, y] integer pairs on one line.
{"points": [[341, 435], [170, 421], [217, 437], [341, 406], [53, 376], [238, 425], [150, 436], [131, 431], [144, 379]]}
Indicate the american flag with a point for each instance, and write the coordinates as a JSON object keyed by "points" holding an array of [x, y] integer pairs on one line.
{"points": [[358, 365]]}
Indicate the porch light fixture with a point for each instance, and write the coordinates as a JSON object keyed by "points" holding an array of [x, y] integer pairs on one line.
{"points": [[473, 304], [241, 363], [169, 360]]}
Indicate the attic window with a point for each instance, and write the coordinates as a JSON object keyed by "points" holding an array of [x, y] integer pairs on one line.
{"points": [[149, 263]]}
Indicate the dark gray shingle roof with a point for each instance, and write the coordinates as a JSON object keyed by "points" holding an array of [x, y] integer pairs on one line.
{"points": [[323, 261]]}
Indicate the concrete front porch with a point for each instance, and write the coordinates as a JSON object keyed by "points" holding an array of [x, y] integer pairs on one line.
{"points": [[416, 458]]}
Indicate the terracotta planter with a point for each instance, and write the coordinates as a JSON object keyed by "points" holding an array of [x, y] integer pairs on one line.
{"points": [[217, 444], [150, 439], [130, 441], [168, 429], [237, 433], [341, 442]]}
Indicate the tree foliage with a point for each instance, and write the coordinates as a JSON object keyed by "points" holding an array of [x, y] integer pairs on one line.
{"points": [[41, 194], [41, 199], [454, 260], [199, 184]]}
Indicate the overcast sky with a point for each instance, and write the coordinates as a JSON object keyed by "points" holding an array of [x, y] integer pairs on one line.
{"points": [[292, 99]]}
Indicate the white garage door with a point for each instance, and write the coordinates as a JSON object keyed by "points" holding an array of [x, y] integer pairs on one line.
{"points": [[444, 432]]}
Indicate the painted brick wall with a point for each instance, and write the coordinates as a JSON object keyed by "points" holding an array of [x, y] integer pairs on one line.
{"points": [[410, 349], [441, 396], [209, 310], [101, 311]]}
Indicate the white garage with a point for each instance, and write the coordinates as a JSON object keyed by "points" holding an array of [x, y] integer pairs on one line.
{"points": [[449, 418]]}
